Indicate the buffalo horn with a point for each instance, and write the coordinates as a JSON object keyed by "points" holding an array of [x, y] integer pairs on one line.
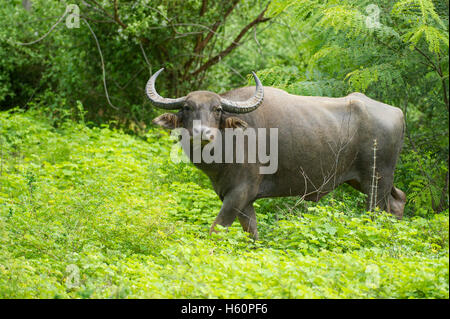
{"points": [[159, 101], [245, 106]]}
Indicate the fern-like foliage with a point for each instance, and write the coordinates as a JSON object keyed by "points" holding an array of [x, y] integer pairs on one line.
{"points": [[393, 51], [424, 23]]}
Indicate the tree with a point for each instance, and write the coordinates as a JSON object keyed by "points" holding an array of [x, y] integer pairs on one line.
{"points": [[119, 40], [396, 52]]}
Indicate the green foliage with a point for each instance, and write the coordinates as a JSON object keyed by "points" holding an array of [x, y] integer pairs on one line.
{"points": [[145, 36], [95, 213], [424, 22], [393, 51]]}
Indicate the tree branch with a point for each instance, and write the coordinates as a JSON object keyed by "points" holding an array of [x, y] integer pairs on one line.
{"points": [[116, 16], [427, 57], [259, 19], [444, 85], [202, 43], [204, 6], [214, 28]]}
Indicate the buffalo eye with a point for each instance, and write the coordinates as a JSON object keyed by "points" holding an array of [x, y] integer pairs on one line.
{"points": [[217, 109]]}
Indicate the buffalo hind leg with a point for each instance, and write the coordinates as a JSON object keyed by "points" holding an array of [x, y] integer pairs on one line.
{"points": [[388, 197], [397, 201], [247, 218]]}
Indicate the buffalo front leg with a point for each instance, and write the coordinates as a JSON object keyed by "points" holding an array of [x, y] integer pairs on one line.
{"points": [[236, 203]]}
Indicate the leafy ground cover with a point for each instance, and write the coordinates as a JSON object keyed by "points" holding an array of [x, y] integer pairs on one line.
{"points": [[96, 213]]}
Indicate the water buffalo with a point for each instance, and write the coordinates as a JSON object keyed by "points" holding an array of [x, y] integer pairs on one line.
{"points": [[322, 143]]}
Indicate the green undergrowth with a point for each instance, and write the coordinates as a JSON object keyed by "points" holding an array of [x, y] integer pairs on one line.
{"points": [[96, 213]]}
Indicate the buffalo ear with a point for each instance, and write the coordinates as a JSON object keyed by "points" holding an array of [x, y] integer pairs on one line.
{"points": [[234, 122], [167, 120]]}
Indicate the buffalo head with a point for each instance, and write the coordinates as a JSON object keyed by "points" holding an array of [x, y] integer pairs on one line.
{"points": [[210, 111]]}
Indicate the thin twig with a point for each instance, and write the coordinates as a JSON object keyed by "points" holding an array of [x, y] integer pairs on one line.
{"points": [[46, 34], [373, 199], [103, 65], [145, 58]]}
